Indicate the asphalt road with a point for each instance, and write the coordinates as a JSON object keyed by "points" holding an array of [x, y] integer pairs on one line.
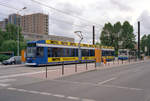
{"points": [[123, 83]]}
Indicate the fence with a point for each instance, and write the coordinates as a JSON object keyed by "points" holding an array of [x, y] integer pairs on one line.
{"points": [[82, 67]]}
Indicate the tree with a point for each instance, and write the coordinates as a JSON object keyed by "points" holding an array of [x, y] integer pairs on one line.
{"points": [[9, 38], [143, 43], [127, 36], [112, 35], [107, 34], [11, 32], [9, 45], [1, 37], [148, 44], [117, 34], [23, 45], [98, 43]]}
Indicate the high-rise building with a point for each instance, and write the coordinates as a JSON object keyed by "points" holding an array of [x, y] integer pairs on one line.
{"points": [[14, 19], [35, 23], [34, 27], [3, 23]]}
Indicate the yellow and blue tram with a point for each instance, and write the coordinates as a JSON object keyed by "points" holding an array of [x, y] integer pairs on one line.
{"points": [[47, 52], [108, 53], [123, 54]]}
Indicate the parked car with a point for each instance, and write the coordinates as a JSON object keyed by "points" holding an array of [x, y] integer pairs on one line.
{"points": [[9, 61], [12, 60]]}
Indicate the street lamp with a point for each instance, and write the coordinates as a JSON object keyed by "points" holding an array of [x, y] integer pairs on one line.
{"points": [[18, 27], [79, 34]]}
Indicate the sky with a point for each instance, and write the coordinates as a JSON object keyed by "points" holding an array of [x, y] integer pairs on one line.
{"points": [[83, 14]]}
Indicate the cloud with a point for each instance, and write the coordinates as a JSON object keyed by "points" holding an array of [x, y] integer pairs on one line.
{"points": [[120, 5], [19, 4], [62, 24], [94, 11], [144, 18]]}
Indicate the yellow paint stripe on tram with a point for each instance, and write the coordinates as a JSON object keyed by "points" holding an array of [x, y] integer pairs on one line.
{"points": [[60, 59]]}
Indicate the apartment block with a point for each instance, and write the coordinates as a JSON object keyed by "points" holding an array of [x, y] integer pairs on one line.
{"points": [[14, 19], [35, 23], [2, 24], [34, 27]]}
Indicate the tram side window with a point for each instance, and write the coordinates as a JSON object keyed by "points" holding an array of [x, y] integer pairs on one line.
{"points": [[60, 52], [49, 52], [66, 52], [54, 52], [109, 53], [92, 52], [40, 51], [85, 52], [57, 52], [73, 52], [103, 53], [76, 52], [113, 53]]}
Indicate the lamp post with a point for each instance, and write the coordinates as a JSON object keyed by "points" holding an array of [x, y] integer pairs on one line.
{"points": [[18, 29], [81, 38]]}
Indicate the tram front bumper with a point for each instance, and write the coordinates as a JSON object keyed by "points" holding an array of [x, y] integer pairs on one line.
{"points": [[31, 64]]}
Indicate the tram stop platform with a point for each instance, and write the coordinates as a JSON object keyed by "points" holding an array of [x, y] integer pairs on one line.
{"points": [[54, 72]]}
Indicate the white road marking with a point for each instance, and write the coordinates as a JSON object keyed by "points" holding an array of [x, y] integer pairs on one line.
{"points": [[103, 82], [12, 88], [4, 85], [58, 95], [50, 94], [22, 74], [127, 88], [92, 84], [73, 98], [87, 100], [7, 80], [21, 90], [45, 93]]}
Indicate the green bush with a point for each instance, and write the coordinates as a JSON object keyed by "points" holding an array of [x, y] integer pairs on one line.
{"points": [[4, 57], [9, 45]]}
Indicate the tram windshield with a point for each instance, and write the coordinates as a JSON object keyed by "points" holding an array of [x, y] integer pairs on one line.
{"points": [[31, 52], [122, 52]]}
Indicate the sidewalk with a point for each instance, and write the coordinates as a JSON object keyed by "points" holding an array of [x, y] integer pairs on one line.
{"points": [[6, 66], [53, 73]]}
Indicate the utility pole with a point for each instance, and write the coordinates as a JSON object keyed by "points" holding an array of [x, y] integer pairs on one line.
{"points": [[139, 39], [80, 35], [18, 48], [93, 35]]}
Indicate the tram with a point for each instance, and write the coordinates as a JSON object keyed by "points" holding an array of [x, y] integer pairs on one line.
{"points": [[49, 52], [108, 53], [123, 54]]}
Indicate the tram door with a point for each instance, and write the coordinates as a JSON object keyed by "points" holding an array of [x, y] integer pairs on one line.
{"points": [[40, 55]]}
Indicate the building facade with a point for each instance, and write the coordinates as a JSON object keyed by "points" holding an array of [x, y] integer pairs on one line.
{"points": [[34, 27], [3, 24], [35, 37], [35, 23], [14, 19]]}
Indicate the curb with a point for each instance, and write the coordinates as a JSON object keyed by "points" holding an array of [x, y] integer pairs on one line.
{"points": [[10, 66]]}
